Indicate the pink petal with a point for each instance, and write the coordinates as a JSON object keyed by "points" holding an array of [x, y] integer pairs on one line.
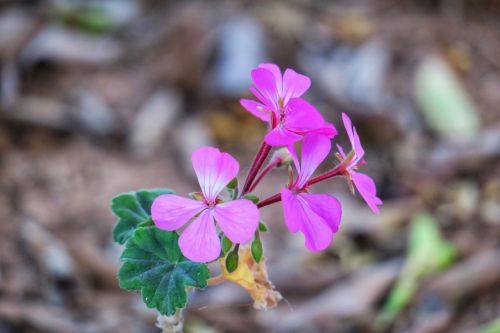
{"points": [[257, 109], [367, 189], [290, 204], [294, 85], [281, 137], [238, 219], [265, 82], [170, 211], [341, 151], [317, 229], [295, 158], [277, 75], [326, 206], [199, 242], [326, 129], [309, 213], [315, 148], [302, 118], [214, 170], [353, 137], [261, 98]]}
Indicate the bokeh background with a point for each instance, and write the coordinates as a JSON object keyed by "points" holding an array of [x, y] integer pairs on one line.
{"points": [[101, 97]]}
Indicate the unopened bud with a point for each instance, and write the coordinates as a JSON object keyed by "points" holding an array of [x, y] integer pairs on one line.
{"points": [[283, 157]]}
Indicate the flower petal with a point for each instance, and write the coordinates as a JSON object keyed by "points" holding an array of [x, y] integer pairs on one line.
{"points": [[238, 219], [281, 137], [309, 214], [367, 189], [290, 204], [261, 98], [315, 148], [265, 82], [326, 129], [353, 137], [277, 75], [302, 118], [170, 211], [295, 158], [341, 151], [294, 85], [214, 169], [199, 242], [326, 206], [257, 109]]}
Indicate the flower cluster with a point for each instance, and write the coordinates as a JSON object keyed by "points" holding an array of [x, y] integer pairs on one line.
{"points": [[293, 123]]}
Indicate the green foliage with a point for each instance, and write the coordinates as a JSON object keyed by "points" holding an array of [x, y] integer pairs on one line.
{"points": [[428, 253], [252, 197], [133, 209], [444, 102], [226, 245], [262, 227], [232, 188], [232, 261], [256, 249], [92, 19], [491, 327], [153, 264], [233, 184]]}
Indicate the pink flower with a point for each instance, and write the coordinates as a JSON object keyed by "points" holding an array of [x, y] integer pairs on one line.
{"points": [[296, 120], [289, 116], [238, 219], [364, 184], [317, 216]]}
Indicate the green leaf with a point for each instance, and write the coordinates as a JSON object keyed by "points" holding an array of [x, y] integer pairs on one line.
{"points": [[232, 188], [252, 197], [232, 261], [92, 19], [445, 104], [262, 227], [257, 249], [133, 209], [427, 254], [226, 245], [233, 184], [491, 327], [153, 264], [428, 251]]}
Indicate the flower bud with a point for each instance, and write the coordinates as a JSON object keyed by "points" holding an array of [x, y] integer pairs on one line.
{"points": [[283, 157]]}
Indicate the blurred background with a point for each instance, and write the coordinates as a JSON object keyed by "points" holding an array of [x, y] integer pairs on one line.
{"points": [[98, 97]]}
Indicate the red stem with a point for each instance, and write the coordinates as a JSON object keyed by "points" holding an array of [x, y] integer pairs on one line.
{"points": [[272, 199], [337, 171], [260, 158], [264, 172]]}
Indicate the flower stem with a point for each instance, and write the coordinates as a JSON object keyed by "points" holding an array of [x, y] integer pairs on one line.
{"points": [[337, 171], [260, 157], [171, 324], [269, 201], [264, 172]]}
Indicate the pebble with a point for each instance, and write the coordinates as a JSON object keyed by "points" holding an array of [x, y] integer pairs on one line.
{"points": [[90, 112], [60, 45], [191, 134], [153, 122], [241, 48]]}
